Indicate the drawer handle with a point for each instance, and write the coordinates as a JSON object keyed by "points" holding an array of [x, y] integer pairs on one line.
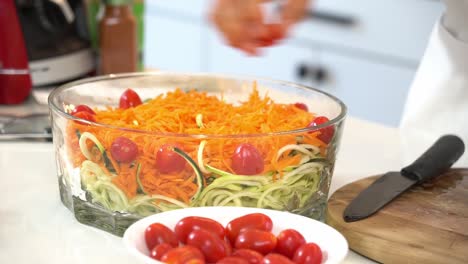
{"points": [[317, 74], [332, 18]]}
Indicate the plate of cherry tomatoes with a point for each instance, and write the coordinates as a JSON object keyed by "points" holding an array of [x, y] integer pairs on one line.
{"points": [[233, 235]]}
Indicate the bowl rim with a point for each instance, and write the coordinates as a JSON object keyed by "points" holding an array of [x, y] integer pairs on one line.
{"points": [[54, 108]]}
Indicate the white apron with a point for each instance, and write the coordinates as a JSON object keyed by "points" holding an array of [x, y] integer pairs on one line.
{"points": [[437, 102]]}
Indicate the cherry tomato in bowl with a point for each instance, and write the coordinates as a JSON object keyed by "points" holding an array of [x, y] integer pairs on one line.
{"points": [[275, 258], [188, 224], [86, 116], [249, 221], [261, 241], [160, 250], [168, 161], [301, 106], [252, 256], [288, 241], [183, 255], [233, 260], [212, 247], [129, 98], [247, 160], [328, 240], [124, 149], [158, 233], [326, 133], [82, 108], [309, 253]]}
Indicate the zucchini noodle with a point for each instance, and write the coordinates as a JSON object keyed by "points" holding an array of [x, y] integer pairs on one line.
{"points": [[109, 195], [289, 189], [84, 148], [297, 184], [201, 147], [148, 205], [303, 148], [104, 192], [91, 173], [263, 191], [199, 120]]}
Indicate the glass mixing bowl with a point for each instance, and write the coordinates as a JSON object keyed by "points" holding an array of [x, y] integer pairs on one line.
{"points": [[111, 195]]}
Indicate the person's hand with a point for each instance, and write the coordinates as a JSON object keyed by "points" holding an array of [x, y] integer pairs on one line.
{"points": [[242, 22]]}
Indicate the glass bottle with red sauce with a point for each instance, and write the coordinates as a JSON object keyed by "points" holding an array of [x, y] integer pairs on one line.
{"points": [[118, 38]]}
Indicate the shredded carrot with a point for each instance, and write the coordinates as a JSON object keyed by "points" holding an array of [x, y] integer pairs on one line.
{"points": [[288, 161], [176, 112]]}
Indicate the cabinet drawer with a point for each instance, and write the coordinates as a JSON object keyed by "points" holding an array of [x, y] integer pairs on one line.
{"points": [[371, 91], [171, 44], [398, 28]]}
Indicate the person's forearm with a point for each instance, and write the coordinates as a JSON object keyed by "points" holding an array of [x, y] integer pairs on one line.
{"points": [[456, 18]]}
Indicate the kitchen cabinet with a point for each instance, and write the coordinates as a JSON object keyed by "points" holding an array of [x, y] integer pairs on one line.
{"points": [[370, 90], [171, 44], [365, 52], [281, 62], [391, 29]]}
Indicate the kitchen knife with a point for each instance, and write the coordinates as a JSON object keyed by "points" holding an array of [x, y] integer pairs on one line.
{"points": [[435, 161]]}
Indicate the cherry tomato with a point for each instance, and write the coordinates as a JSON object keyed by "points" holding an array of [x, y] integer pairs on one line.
{"points": [[309, 253], [256, 221], [232, 260], [183, 255], [277, 31], [124, 149], [265, 42], [247, 160], [157, 233], [186, 225], [82, 108], [129, 98], [252, 256], [288, 241], [212, 247], [227, 246], [274, 33], [168, 161], [326, 133], [160, 250], [276, 259], [262, 241], [86, 116], [302, 106]]}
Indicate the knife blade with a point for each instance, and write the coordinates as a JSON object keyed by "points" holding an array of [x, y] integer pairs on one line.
{"points": [[435, 161]]}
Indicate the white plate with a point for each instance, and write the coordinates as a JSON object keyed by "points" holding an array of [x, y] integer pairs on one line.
{"points": [[329, 240]]}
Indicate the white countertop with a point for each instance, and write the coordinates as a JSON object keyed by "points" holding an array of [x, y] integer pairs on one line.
{"points": [[35, 227]]}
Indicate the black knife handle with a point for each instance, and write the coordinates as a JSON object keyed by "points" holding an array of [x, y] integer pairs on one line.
{"points": [[436, 160]]}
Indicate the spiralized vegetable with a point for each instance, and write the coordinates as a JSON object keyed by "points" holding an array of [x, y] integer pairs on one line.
{"points": [[298, 184], [295, 164], [263, 191]]}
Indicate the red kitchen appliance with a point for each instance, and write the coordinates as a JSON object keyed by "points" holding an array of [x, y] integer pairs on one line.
{"points": [[45, 42], [15, 80]]}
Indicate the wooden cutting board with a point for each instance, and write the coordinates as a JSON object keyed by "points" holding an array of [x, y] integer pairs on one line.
{"points": [[427, 224]]}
